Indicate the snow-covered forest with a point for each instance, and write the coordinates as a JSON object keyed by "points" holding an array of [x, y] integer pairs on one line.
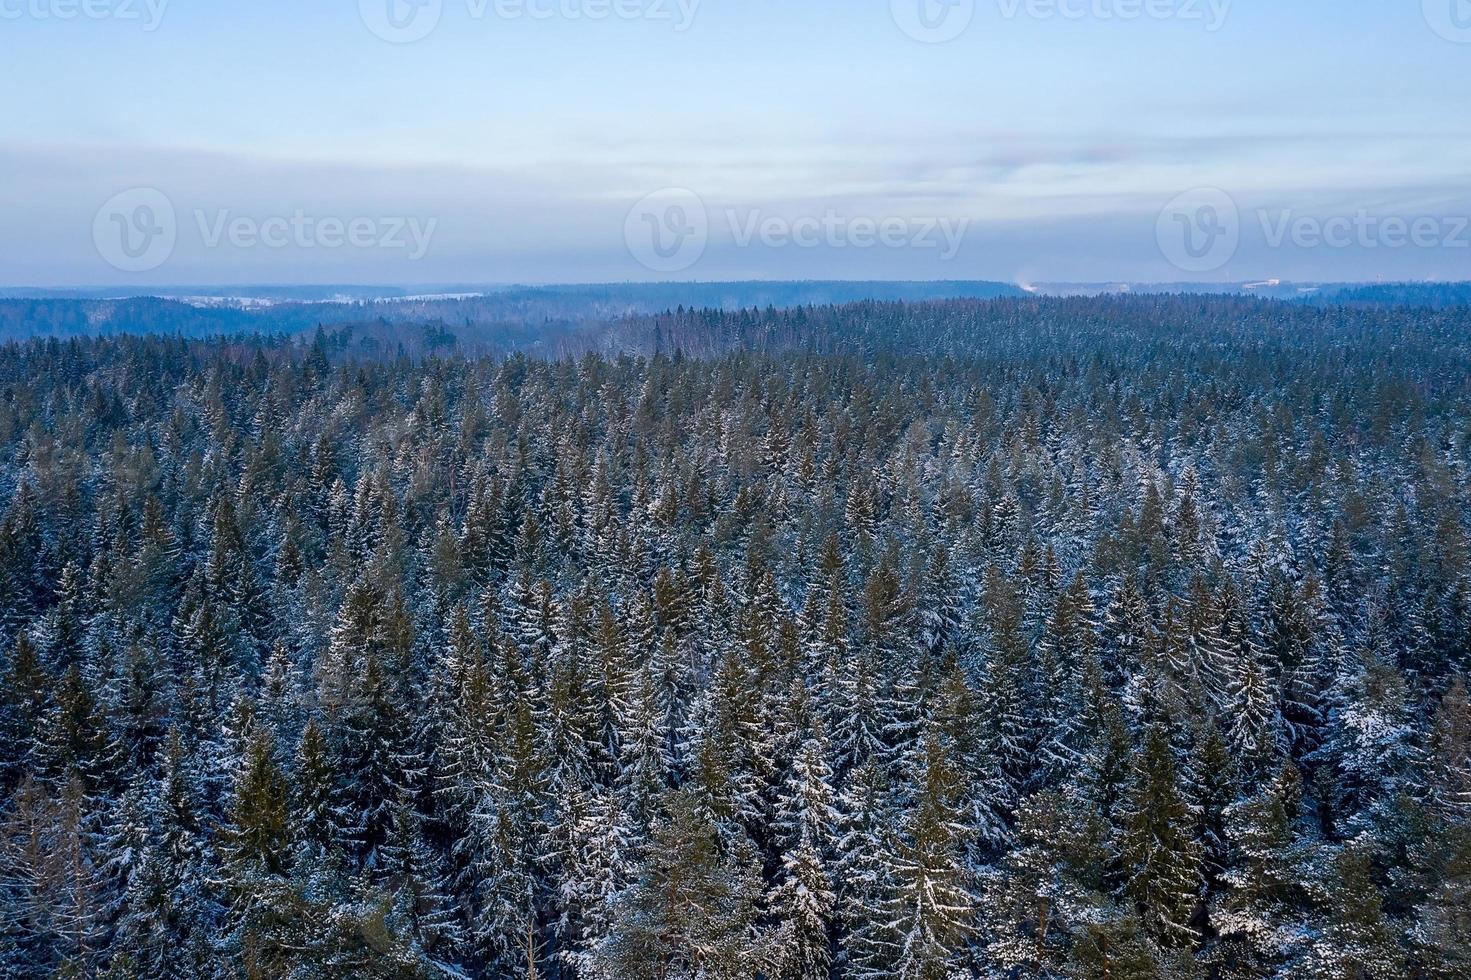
{"points": [[1088, 638]]}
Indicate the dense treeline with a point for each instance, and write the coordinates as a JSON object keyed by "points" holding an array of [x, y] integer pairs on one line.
{"points": [[1215, 333], [1420, 294], [1076, 638], [491, 318]]}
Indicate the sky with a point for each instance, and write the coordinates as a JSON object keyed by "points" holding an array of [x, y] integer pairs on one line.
{"points": [[183, 142]]}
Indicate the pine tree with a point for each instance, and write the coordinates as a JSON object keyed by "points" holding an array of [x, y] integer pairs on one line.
{"points": [[1261, 917], [369, 743], [1004, 720], [1158, 849], [1369, 733], [804, 901], [413, 875], [1066, 653], [317, 804], [1252, 713], [170, 911], [592, 852], [1358, 940], [934, 907], [1050, 886], [691, 909], [23, 694], [1127, 634], [256, 858], [866, 886], [645, 764], [985, 795], [72, 736]]}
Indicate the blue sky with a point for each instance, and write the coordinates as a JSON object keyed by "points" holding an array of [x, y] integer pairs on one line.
{"points": [[1050, 140]]}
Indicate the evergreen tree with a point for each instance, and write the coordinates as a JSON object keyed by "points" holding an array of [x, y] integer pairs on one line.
{"points": [[690, 911], [1358, 940], [256, 860], [866, 885], [1262, 915], [1158, 849], [804, 901], [934, 908]]}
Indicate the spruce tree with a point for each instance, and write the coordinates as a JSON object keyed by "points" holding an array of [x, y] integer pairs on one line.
{"points": [[1158, 850], [933, 907]]}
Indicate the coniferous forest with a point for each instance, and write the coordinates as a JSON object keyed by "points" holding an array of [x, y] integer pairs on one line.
{"points": [[1017, 638]]}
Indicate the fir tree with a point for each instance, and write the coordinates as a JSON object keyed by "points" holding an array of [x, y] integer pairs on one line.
{"points": [[934, 908], [1358, 940], [1158, 849], [691, 909]]}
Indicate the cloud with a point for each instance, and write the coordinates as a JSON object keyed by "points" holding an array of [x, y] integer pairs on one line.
{"points": [[1038, 207]]}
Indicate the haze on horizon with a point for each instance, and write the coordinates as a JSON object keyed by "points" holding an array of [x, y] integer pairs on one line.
{"points": [[538, 140]]}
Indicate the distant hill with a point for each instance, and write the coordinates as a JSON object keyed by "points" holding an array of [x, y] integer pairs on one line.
{"points": [[288, 310], [560, 318], [24, 319], [1263, 288], [1435, 295], [248, 294], [1432, 295]]}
